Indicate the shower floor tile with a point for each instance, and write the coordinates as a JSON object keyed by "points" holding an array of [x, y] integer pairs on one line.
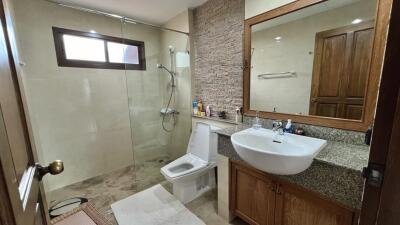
{"points": [[106, 189]]}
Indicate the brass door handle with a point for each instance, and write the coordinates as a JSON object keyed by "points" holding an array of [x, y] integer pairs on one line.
{"points": [[53, 168]]}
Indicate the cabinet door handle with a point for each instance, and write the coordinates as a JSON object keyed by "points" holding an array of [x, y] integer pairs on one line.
{"points": [[278, 190]]}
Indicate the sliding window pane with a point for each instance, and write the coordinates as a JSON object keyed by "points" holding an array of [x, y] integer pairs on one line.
{"points": [[122, 53], [83, 48]]}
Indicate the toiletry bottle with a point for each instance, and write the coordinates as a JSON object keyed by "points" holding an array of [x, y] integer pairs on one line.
{"points": [[288, 127], [237, 115], [200, 106], [195, 107], [208, 111]]}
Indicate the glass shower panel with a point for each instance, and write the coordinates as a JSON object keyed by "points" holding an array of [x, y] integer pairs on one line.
{"points": [[160, 131], [79, 115]]}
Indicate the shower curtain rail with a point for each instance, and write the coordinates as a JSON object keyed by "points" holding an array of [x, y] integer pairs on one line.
{"points": [[122, 18]]}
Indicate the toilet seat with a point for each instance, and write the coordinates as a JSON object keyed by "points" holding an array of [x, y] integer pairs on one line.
{"points": [[183, 167]]}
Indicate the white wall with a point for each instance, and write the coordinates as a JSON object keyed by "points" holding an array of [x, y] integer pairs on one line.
{"points": [[294, 53], [255, 7]]}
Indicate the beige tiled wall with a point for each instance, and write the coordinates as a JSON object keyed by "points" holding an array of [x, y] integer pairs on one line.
{"points": [[78, 115], [179, 137], [96, 120], [87, 117]]}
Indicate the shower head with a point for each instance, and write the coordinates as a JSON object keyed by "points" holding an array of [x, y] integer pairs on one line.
{"points": [[171, 49], [161, 66]]}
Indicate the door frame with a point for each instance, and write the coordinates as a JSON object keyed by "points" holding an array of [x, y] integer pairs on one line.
{"points": [[379, 204]]}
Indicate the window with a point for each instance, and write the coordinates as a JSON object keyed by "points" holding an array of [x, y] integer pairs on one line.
{"points": [[92, 50]]}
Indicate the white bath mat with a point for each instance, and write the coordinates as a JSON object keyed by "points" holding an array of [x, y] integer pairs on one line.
{"points": [[153, 206]]}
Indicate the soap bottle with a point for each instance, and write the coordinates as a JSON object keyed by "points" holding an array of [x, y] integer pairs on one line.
{"points": [[237, 115], [200, 106], [195, 107], [208, 111], [289, 127]]}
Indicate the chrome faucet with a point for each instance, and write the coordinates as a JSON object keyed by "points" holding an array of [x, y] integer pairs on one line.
{"points": [[277, 125]]}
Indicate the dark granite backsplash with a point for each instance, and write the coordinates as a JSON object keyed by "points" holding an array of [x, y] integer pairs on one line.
{"points": [[326, 133]]}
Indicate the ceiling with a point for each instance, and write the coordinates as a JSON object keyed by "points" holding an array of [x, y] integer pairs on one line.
{"points": [[156, 12]]}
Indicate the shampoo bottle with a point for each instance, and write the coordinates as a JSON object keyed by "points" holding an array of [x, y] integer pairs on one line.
{"points": [[200, 107], [208, 111], [288, 127], [195, 107], [237, 115]]}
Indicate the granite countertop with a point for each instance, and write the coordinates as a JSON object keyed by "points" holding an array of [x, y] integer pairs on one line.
{"points": [[335, 172], [345, 155], [215, 119]]}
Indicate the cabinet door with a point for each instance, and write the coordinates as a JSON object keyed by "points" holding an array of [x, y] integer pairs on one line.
{"points": [[253, 196], [299, 207]]}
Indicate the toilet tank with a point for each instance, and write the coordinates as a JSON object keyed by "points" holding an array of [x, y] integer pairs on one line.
{"points": [[203, 142]]}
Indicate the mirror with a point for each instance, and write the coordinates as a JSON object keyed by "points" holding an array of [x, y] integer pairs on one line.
{"points": [[314, 61]]}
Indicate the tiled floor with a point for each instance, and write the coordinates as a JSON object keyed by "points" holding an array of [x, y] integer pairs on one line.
{"points": [[106, 189]]}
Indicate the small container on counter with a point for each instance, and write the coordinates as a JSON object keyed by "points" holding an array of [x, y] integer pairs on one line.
{"points": [[299, 131]]}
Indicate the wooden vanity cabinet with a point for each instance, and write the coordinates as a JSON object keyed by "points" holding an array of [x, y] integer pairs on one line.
{"points": [[261, 199]]}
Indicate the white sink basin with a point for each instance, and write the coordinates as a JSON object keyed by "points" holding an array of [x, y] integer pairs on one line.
{"points": [[293, 155]]}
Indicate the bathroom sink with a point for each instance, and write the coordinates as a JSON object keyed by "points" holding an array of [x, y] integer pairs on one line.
{"points": [[292, 153]]}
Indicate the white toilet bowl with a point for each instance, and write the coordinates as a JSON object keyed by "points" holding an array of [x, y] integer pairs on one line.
{"points": [[193, 174]]}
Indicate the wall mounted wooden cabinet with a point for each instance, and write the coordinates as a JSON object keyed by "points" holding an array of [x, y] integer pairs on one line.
{"points": [[260, 199]]}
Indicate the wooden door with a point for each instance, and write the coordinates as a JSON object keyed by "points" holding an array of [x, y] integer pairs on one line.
{"points": [[381, 200], [252, 196], [341, 68], [295, 206], [21, 202]]}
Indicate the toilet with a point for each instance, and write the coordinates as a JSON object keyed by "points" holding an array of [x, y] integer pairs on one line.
{"points": [[193, 174]]}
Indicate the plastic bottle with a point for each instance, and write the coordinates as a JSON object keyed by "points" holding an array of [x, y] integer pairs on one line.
{"points": [[195, 107], [288, 127], [208, 111], [237, 115], [200, 107]]}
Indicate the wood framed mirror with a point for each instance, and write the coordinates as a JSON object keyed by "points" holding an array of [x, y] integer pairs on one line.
{"points": [[316, 62]]}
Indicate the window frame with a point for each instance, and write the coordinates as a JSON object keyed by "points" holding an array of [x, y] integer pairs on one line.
{"points": [[62, 60]]}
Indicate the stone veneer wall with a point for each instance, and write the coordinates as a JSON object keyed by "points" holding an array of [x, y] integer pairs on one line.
{"points": [[218, 47]]}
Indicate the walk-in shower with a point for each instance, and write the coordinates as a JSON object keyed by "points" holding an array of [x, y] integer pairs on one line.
{"points": [[104, 123]]}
